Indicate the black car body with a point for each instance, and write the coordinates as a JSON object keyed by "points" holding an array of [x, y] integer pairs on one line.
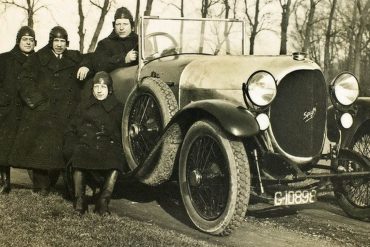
{"points": [[228, 126]]}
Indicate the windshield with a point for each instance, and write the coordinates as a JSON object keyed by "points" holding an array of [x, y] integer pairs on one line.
{"points": [[164, 37]]}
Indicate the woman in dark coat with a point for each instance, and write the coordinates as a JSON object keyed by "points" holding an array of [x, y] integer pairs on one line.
{"points": [[10, 102], [93, 142], [51, 91]]}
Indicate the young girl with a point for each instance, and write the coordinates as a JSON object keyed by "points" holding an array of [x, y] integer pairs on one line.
{"points": [[93, 143]]}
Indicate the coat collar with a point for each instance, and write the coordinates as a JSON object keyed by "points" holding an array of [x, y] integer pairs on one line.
{"points": [[47, 56], [113, 35], [18, 54], [109, 103]]}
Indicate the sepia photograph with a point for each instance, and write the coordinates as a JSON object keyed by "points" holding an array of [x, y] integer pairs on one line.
{"points": [[185, 123]]}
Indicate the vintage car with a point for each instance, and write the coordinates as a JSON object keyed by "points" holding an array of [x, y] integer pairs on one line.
{"points": [[228, 126]]}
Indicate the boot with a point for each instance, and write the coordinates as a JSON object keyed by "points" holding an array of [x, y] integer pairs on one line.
{"points": [[101, 206], [80, 204], [5, 179], [41, 182]]}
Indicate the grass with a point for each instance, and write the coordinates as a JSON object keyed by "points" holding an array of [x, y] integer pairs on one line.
{"points": [[28, 219]]}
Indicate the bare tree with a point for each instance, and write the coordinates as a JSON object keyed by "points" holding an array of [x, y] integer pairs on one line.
{"points": [[137, 12], [363, 22], [81, 28], [285, 5], [328, 36], [309, 25], [104, 10], [256, 22], [206, 5], [31, 7], [148, 8]]}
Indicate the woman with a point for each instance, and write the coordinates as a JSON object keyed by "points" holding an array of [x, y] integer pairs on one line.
{"points": [[93, 143], [11, 65]]}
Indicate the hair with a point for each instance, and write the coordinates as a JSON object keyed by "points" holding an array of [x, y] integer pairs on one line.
{"points": [[123, 13], [103, 77], [58, 32], [25, 31]]}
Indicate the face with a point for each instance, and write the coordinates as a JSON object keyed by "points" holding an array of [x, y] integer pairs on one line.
{"points": [[59, 45], [122, 27], [27, 44], [100, 91]]}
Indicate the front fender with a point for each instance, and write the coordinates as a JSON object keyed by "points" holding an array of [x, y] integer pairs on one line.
{"points": [[362, 116], [235, 120], [362, 107]]}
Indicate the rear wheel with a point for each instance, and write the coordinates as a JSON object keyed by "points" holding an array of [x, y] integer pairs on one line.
{"points": [[148, 110], [354, 193], [214, 179]]}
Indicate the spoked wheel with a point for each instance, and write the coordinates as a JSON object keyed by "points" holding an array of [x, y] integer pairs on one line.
{"points": [[148, 109], [214, 179], [354, 193]]}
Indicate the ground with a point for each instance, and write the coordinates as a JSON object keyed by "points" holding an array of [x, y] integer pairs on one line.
{"points": [[319, 224]]}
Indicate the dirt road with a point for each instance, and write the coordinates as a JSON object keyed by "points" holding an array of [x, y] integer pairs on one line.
{"points": [[319, 224]]}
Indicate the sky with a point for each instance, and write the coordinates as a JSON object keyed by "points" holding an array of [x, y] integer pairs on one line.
{"points": [[65, 14]]}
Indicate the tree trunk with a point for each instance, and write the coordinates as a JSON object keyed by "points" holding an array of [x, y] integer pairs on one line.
{"points": [[204, 12], [255, 24], [328, 36], [181, 26], [226, 27], [351, 40], [309, 27], [358, 40], [30, 13], [95, 37], [137, 13], [148, 8], [81, 31], [284, 27]]}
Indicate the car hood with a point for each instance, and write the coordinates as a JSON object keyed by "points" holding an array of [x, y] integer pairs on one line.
{"points": [[229, 72]]}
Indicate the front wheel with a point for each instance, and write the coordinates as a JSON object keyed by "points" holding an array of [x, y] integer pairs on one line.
{"points": [[353, 194], [214, 179]]}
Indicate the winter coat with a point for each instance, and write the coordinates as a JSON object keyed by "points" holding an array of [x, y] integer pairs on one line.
{"points": [[10, 102], [52, 93], [111, 52], [93, 138]]}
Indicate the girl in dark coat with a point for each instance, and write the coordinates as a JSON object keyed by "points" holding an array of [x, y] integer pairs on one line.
{"points": [[93, 142], [10, 101]]}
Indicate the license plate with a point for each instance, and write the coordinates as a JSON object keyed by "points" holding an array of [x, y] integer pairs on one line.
{"points": [[294, 197]]}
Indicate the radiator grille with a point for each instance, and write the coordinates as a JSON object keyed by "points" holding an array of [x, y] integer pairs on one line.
{"points": [[298, 113]]}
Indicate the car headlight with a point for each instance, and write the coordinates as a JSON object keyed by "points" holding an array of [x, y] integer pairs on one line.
{"points": [[261, 88], [345, 88]]}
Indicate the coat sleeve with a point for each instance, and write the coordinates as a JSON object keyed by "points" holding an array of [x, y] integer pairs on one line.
{"points": [[4, 97], [71, 135], [117, 113], [29, 91], [87, 61], [104, 60]]}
